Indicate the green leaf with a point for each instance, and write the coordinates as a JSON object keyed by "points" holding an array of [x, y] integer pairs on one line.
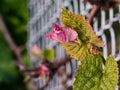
{"points": [[92, 76], [26, 59], [49, 54], [82, 26], [77, 51], [110, 73]]}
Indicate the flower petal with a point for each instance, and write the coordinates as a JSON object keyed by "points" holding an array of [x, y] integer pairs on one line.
{"points": [[57, 28], [63, 34], [35, 49], [44, 71], [71, 34], [52, 36]]}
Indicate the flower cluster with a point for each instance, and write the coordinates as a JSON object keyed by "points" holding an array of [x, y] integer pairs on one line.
{"points": [[63, 34], [44, 71]]}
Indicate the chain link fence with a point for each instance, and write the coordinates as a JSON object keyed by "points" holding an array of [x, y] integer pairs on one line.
{"points": [[44, 13]]}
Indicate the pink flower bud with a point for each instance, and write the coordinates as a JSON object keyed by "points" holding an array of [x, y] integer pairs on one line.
{"points": [[63, 34], [44, 71], [35, 49]]}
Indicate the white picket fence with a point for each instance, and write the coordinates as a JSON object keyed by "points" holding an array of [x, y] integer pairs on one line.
{"points": [[44, 13]]}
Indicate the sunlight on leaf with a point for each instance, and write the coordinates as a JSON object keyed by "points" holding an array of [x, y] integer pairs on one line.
{"points": [[76, 51], [91, 75], [82, 26]]}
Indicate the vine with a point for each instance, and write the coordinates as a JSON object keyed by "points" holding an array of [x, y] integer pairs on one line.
{"points": [[81, 43]]}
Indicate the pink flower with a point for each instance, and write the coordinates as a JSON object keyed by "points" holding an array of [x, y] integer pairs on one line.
{"points": [[36, 49], [35, 52], [63, 34], [44, 71]]}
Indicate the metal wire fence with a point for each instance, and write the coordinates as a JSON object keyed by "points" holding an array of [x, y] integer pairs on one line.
{"points": [[44, 13]]}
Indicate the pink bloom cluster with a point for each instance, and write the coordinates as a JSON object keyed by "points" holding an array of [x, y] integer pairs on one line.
{"points": [[44, 71], [63, 34]]}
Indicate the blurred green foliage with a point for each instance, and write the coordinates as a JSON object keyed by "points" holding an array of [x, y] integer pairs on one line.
{"points": [[48, 54], [26, 59], [15, 15]]}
